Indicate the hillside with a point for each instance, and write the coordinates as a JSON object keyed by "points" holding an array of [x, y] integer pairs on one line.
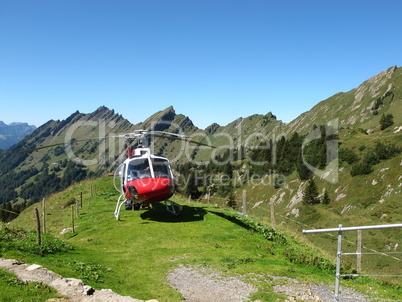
{"points": [[13, 133], [138, 255], [361, 107]]}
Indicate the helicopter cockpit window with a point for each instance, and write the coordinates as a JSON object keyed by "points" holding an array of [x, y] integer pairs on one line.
{"points": [[138, 168], [161, 168]]}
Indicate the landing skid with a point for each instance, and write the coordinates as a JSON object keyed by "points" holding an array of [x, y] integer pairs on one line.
{"points": [[173, 207], [118, 207]]}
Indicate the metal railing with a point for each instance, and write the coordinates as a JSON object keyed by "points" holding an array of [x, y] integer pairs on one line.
{"points": [[339, 253]]}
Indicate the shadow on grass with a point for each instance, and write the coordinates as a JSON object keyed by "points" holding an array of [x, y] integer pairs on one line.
{"points": [[188, 214], [232, 219]]}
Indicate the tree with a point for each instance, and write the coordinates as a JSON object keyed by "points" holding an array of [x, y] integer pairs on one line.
{"points": [[310, 193], [325, 198], [304, 171], [231, 201], [191, 188], [387, 120]]}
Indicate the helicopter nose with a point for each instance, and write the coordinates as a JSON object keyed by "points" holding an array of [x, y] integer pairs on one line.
{"points": [[133, 191]]}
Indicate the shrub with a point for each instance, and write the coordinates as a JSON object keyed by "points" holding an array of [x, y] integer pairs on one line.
{"points": [[387, 120], [361, 168], [69, 202], [347, 155], [384, 152], [371, 158]]}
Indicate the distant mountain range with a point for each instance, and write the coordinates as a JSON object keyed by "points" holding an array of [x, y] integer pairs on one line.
{"points": [[12, 133]]}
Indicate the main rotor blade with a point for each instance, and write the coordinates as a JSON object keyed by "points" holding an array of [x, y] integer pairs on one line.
{"points": [[42, 147], [178, 137], [68, 142], [135, 134]]}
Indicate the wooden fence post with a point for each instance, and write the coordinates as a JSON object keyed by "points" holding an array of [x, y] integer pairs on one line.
{"points": [[77, 209], [44, 215], [244, 202], [38, 238], [72, 217], [272, 210]]}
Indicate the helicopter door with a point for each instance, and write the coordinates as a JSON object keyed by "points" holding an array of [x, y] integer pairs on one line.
{"points": [[118, 179]]}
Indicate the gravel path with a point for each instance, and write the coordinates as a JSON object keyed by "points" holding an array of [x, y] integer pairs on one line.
{"points": [[196, 284]]}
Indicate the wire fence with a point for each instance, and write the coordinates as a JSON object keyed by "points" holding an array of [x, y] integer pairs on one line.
{"points": [[339, 253]]}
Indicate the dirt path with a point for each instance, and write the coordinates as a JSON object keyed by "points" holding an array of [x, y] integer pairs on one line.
{"points": [[197, 284], [194, 283]]}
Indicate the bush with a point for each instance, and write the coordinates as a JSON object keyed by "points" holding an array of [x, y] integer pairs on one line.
{"points": [[387, 120], [371, 158], [361, 168], [347, 155], [384, 152]]}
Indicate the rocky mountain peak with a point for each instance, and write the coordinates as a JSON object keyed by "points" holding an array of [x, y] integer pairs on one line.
{"points": [[159, 121], [13, 133]]}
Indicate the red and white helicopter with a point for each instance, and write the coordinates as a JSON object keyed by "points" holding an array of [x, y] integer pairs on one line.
{"points": [[143, 179]]}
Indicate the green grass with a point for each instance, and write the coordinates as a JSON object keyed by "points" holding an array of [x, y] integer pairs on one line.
{"points": [[14, 290], [133, 256]]}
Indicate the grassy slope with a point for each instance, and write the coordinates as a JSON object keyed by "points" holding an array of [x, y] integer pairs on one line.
{"points": [[14, 290], [354, 108], [367, 200], [133, 256]]}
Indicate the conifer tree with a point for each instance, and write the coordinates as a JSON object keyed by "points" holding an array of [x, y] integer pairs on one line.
{"points": [[191, 188], [310, 194], [231, 201], [325, 198]]}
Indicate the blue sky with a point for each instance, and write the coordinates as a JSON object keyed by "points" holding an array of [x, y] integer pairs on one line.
{"points": [[214, 61]]}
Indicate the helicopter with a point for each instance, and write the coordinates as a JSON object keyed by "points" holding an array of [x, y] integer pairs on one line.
{"points": [[143, 178]]}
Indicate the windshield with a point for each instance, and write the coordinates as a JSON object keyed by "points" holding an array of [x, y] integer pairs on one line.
{"points": [[138, 168], [161, 168]]}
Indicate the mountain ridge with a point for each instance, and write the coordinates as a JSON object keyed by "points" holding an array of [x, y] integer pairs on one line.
{"points": [[13, 133]]}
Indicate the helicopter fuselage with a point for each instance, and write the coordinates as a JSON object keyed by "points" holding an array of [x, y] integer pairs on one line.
{"points": [[145, 178], [149, 190]]}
